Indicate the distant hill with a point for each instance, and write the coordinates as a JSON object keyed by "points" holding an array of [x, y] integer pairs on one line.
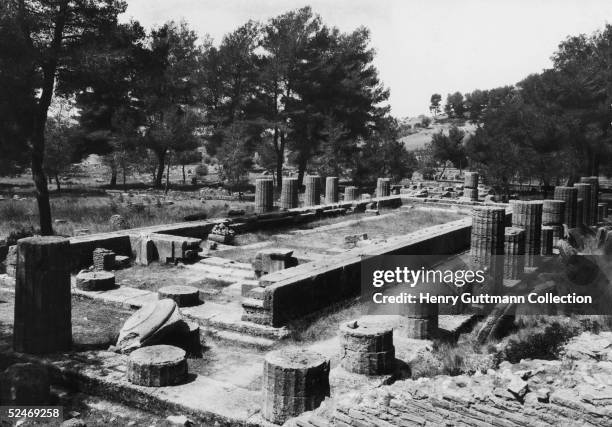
{"points": [[422, 136]]}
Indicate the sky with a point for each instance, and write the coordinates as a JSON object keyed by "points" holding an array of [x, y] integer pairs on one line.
{"points": [[423, 46]]}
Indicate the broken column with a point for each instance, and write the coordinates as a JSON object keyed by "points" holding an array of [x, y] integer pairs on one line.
{"points": [[487, 247], [366, 349], [294, 381], [157, 366], [584, 215], [103, 259], [593, 181], [527, 214], [579, 212], [547, 240], [269, 260], [602, 211], [470, 186], [351, 193], [383, 187], [43, 321], [553, 212], [183, 296], [514, 253], [419, 319], [312, 195], [289, 193], [569, 195], [331, 189], [264, 195]]}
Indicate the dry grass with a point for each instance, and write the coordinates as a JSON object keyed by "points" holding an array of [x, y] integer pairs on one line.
{"points": [[93, 212]]}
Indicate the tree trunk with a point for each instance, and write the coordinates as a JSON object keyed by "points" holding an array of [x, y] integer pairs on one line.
{"points": [[184, 176], [57, 183], [279, 148], [302, 163], [168, 177], [161, 158], [113, 181], [42, 192]]}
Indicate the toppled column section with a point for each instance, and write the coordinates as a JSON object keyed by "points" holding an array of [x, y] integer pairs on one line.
{"points": [[383, 187], [331, 189], [312, 195], [264, 195], [487, 247], [514, 253], [593, 181], [43, 322], [366, 349], [351, 193], [157, 366], [570, 196], [289, 193], [527, 214], [294, 381]]}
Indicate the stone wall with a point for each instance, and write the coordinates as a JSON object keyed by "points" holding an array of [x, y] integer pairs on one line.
{"points": [[307, 288], [568, 392]]}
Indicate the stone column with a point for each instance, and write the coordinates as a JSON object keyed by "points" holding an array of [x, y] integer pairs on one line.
{"points": [[487, 247], [470, 186], [383, 187], [547, 240], [331, 189], [527, 214], [602, 211], [295, 380], [570, 196], [366, 349], [289, 193], [514, 252], [264, 195], [594, 182], [419, 320], [584, 193], [351, 193], [312, 196], [553, 212], [43, 322]]}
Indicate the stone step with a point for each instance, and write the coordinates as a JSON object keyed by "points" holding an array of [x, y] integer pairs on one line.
{"points": [[226, 274], [253, 303], [240, 339], [224, 262]]}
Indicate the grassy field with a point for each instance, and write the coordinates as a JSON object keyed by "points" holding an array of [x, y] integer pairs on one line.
{"points": [[78, 211]]}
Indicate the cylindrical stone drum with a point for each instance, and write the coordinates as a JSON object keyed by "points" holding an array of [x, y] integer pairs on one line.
{"points": [[157, 366], [594, 182], [43, 322], [264, 195], [553, 212], [527, 214], [312, 195], [331, 189], [103, 259], [471, 180], [289, 193], [419, 320], [487, 246], [351, 193], [471, 194], [602, 211], [548, 234], [584, 193], [295, 380], [570, 196], [514, 252], [366, 349], [383, 187]]}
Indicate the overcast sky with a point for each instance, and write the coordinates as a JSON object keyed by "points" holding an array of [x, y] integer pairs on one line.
{"points": [[423, 46]]}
